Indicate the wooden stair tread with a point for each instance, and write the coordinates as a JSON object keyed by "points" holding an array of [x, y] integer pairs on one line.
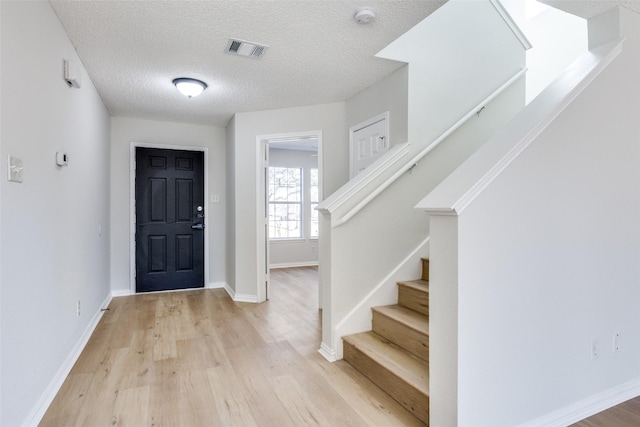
{"points": [[412, 319], [409, 368], [419, 285]]}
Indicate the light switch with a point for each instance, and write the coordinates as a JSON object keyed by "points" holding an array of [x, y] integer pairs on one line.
{"points": [[15, 169], [215, 198]]}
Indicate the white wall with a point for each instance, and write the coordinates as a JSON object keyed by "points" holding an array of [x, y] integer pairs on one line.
{"points": [[127, 130], [298, 252], [230, 198], [390, 95], [548, 260], [53, 254], [569, 244], [557, 39], [457, 56], [328, 118]]}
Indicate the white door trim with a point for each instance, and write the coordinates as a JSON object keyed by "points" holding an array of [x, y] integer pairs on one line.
{"points": [[261, 242], [353, 129], [132, 206]]}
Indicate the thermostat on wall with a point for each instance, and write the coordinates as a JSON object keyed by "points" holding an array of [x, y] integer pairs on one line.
{"points": [[62, 159]]}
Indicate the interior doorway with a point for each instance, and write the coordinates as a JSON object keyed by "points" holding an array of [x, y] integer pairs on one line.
{"points": [[289, 189]]}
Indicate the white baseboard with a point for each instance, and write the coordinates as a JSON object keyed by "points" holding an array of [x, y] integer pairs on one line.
{"points": [[121, 293], [245, 298], [588, 407], [216, 285], [327, 352], [239, 297], [230, 291], [294, 264], [49, 394], [210, 285]]}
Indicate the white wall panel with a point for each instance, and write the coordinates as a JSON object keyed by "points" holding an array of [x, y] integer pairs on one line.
{"points": [[127, 130], [330, 119], [55, 224]]}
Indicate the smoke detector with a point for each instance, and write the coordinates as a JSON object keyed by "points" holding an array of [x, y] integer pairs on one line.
{"points": [[364, 15]]}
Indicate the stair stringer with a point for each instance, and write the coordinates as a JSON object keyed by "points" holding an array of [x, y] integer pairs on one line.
{"points": [[384, 293]]}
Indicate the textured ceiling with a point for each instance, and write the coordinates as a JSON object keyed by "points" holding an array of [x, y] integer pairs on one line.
{"points": [[590, 8], [317, 53]]}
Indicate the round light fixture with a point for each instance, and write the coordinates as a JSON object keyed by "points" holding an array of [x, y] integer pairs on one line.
{"points": [[189, 87], [364, 16]]}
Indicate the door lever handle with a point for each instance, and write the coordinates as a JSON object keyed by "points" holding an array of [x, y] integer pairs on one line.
{"points": [[198, 226]]}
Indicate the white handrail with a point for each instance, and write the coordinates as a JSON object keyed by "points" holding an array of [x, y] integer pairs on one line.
{"points": [[462, 187], [360, 181], [513, 26], [411, 163]]}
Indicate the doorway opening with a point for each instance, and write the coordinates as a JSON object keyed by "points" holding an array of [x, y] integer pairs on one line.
{"points": [[289, 189]]}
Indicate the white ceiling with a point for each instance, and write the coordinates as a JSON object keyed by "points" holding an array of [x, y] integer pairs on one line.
{"points": [[317, 53], [590, 8]]}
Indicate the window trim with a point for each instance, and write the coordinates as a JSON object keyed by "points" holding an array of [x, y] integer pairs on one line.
{"points": [[300, 203]]}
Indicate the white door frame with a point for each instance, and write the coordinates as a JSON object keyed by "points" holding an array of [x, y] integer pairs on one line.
{"points": [[262, 142], [132, 206]]}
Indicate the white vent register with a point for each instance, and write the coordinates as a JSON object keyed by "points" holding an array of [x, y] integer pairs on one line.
{"points": [[244, 48]]}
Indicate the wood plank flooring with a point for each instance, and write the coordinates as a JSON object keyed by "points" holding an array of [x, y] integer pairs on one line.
{"points": [[626, 414], [196, 358]]}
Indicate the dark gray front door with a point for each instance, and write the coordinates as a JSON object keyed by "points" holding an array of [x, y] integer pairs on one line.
{"points": [[169, 219]]}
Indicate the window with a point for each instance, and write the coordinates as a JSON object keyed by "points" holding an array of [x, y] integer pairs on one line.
{"points": [[314, 192], [285, 203]]}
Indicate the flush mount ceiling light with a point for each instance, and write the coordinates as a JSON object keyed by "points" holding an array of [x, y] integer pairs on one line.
{"points": [[189, 87], [364, 15]]}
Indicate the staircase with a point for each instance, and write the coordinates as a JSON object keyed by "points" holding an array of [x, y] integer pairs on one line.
{"points": [[395, 354]]}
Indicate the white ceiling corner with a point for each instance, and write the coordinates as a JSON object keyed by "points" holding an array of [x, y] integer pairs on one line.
{"points": [[317, 53], [590, 8]]}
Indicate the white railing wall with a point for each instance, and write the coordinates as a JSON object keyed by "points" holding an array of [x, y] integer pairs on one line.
{"points": [[383, 173], [365, 255], [555, 192], [465, 81]]}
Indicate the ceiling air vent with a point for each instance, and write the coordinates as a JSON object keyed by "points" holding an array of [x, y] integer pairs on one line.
{"points": [[243, 48]]}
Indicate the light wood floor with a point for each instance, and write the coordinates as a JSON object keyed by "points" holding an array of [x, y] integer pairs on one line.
{"points": [[626, 414], [196, 358]]}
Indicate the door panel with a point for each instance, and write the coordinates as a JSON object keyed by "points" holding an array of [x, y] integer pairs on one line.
{"points": [[367, 144], [184, 200], [184, 258], [158, 201], [169, 227]]}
